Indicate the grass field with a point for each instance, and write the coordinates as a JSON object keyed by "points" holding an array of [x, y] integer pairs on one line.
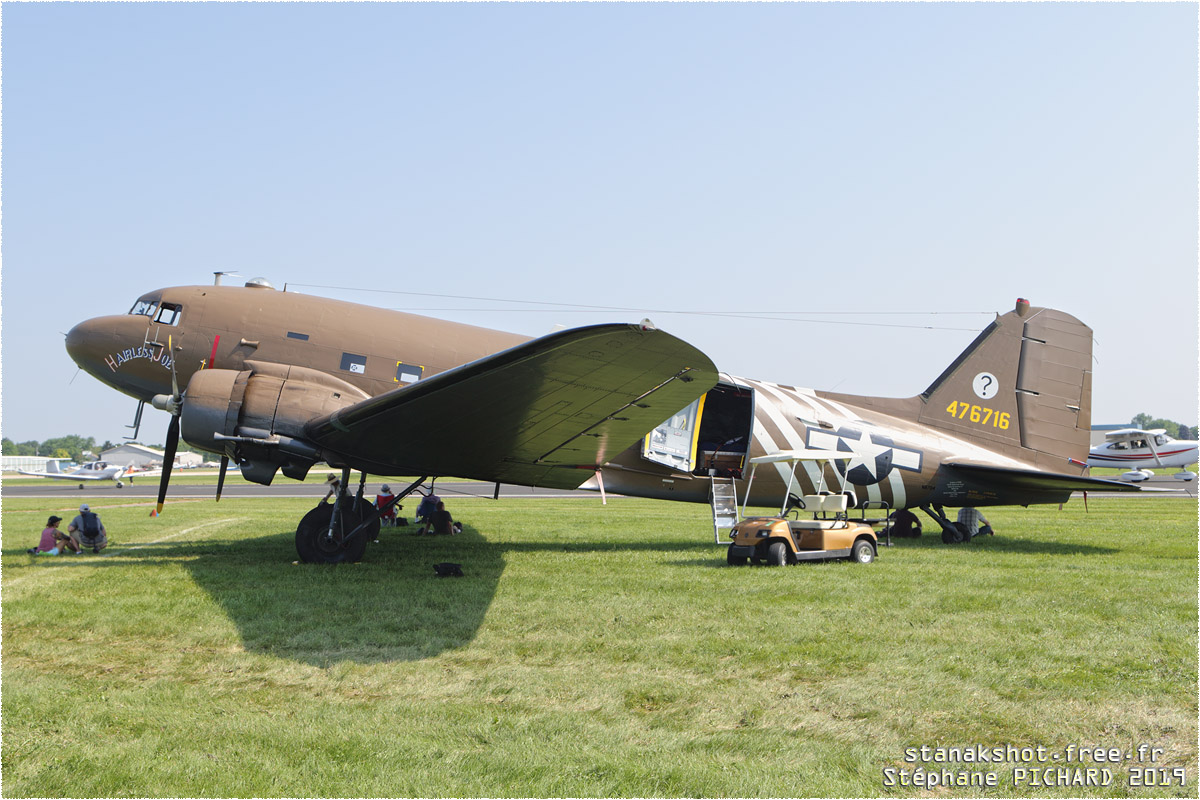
{"points": [[588, 652]]}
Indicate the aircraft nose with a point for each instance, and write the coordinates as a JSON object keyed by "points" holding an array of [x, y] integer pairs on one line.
{"points": [[78, 340]]}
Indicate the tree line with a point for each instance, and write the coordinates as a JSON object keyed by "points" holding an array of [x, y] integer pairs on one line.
{"points": [[1174, 429], [72, 447]]}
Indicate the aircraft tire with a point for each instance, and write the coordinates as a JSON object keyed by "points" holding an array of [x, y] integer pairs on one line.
{"points": [[862, 552], [777, 554], [311, 525], [953, 535], [313, 546], [732, 560]]}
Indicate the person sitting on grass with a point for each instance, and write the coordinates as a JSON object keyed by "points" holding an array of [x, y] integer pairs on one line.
{"points": [[425, 509], [440, 521], [384, 497], [972, 523], [53, 540], [87, 530]]}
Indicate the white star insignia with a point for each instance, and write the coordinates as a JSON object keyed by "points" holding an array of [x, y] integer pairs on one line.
{"points": [[865, 452]]}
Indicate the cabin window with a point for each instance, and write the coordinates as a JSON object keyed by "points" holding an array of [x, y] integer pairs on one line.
{"points": [[301, 336], [144, 308], [168, 314], [354, 363]]}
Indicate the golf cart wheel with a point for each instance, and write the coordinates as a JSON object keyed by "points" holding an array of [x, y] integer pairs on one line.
{"points": [[732, 560], [777, 554], [862, 552]]}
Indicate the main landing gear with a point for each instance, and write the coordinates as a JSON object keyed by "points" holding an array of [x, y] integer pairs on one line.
{"points": [[952, 533], [332, 534]]}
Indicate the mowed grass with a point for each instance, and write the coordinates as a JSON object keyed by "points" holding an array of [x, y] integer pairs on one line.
{"points": [[588, 651]]}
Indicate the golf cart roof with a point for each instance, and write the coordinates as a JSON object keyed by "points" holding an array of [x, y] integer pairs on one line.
{"points": [[802, 455]]}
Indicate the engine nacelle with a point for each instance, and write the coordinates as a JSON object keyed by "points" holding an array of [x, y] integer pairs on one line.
{"points": [[256, 416]]}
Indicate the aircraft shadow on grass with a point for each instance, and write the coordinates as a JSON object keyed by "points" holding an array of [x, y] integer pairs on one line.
{"points": [[393, 607], [390, 607]]}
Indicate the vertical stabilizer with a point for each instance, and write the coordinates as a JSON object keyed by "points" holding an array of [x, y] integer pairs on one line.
{"points": [[1025, 382]]}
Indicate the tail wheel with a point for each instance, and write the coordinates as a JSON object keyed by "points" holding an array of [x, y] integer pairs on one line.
{"points": [[862, 552], [955, 534], [777, 554], [315, 543]]}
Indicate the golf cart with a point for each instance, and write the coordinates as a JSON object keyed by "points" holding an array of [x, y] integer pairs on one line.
{"points": [[786, 538]]}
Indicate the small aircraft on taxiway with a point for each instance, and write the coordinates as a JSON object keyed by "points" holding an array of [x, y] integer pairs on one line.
{"points": [[88, 471], [279, 381], [1136, 450]]}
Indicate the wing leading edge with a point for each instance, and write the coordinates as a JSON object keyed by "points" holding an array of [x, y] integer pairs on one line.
{"points": [[543, 413]]}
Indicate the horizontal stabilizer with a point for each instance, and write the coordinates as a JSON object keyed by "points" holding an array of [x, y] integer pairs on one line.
{"points": [[1007, 478]]}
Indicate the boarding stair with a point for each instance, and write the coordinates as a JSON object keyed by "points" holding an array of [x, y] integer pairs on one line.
{"points": [[724, 505]]}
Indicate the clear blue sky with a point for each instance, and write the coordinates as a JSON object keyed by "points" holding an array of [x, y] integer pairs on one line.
{"points": [[659, 159]]}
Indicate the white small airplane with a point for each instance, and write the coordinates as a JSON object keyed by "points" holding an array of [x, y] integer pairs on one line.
{"points": [[1137, 449], [90, 471]]}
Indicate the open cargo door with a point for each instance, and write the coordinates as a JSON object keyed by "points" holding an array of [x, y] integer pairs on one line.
{"points": [[673, 443]]}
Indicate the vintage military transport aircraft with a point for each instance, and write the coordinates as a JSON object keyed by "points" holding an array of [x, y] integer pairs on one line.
{"points": [[280, 381]]}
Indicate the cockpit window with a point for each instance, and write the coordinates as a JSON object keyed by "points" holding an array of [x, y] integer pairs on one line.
{"points": [[144, 308], [168, 314]]}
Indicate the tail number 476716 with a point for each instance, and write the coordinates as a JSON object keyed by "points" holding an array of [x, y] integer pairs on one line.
{"points": [[978, 415]]}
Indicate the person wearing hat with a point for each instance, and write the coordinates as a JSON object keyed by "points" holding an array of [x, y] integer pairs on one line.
{"points": [[87, 530], [53, 540], [384, 497], [335, 485]]}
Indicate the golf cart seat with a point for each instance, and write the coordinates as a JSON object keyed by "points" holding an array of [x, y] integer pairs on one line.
{"points": [[825, 503], [822, 504]]}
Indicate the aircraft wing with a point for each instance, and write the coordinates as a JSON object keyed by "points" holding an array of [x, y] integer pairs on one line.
{"points": [[1129, 434], [67, 476], [544, 413]]}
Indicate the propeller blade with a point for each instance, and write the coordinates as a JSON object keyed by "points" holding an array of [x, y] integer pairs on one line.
{"points": [[174, 380], [221, 477], [168, 462]]}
